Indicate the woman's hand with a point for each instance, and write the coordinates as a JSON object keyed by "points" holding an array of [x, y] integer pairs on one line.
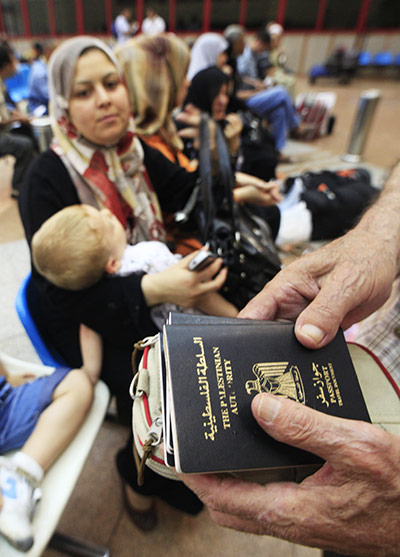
{"points": [[178, 285], [256, 191], [233, 127], [232, 130], [190, 116]]}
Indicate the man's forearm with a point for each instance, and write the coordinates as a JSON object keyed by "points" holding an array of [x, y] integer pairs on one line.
{"points": [[383, 218]]}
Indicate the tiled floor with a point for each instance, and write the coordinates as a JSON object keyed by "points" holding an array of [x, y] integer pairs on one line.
{"points": [[95, 510]]}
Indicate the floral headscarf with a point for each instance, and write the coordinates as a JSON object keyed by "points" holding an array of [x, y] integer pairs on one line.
{"points": [[154, 68], [104, 176]]}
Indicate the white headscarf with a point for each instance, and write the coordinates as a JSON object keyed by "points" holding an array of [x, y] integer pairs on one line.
{"points": [[205, 52]]}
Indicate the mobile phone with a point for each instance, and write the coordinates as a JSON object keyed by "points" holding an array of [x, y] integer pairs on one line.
{"points": [[201, 260]]}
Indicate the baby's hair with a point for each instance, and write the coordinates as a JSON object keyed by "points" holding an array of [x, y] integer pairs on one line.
{"points": [[70, 250]]}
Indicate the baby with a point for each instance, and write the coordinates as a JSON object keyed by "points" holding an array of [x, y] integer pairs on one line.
{"points": [[75, 247]]}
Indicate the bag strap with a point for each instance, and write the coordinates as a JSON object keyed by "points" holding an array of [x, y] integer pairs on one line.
{"points": [[206, 177], [226, 175]]}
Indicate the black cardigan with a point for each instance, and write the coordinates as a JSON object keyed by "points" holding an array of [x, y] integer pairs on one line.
{"points": [[114, 307]]}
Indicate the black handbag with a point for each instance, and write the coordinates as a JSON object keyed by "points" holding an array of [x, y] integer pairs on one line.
{"points": [[232, 231], [257, 154]]}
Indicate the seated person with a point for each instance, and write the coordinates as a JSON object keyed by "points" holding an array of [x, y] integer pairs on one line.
{"points": [[208, 50], [155, 95], [38, 101], [40, 418], [12, 125], [208, 92], [272, 103], [79, 244], [277, 70]]}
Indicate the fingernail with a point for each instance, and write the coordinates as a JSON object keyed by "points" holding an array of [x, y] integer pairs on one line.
{"points": [[268, 408], [313, 332]]}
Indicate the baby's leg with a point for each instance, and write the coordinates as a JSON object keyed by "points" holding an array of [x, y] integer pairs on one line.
{"points": [[214, 304], [92, 352], [60, 421]]}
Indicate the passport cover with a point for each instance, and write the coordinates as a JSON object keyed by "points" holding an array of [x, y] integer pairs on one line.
{"points": [[215, 369]]}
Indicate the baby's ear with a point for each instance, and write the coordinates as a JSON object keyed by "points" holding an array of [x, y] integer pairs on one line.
{"points": [[113, 265]]}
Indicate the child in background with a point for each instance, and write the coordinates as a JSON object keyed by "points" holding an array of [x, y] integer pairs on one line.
{"points": [[40, 418]]}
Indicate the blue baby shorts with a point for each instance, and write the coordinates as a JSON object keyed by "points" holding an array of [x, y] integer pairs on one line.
{"points": [[21, 407]]}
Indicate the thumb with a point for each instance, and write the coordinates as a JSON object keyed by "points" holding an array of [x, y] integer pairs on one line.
{"points": [[319, 322], [302, 427]]}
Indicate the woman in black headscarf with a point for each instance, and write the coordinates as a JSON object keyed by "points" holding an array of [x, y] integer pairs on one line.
{"points": [[208, 92]]}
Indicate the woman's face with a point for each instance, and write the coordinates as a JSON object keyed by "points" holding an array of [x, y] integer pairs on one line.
{"points": [[222, 60], [99, 104], [219, 104]]}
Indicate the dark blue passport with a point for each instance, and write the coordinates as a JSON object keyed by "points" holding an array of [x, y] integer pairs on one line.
{"points": [[213, 371]]}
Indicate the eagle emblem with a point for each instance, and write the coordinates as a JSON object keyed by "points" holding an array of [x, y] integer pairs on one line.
{"points": [[277, 378]]}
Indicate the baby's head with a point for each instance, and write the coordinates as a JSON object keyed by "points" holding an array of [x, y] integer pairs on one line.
{"points": [[76, 246]]}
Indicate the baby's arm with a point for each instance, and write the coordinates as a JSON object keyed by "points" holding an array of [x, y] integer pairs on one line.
{"points": [[214, 304], [92, 352]]}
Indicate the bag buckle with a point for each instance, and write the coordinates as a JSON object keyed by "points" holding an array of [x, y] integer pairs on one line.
{"points": [[155, 432], [154, 438]]}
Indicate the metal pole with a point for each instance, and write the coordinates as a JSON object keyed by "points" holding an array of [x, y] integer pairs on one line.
{"points": [[362, 123]]}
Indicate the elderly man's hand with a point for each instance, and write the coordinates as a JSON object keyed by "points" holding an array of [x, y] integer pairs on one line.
{"points": [[351, 505], [337, 285]]}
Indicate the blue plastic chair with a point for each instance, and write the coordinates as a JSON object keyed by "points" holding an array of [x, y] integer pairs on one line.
{"points": [[383, 59], [18, 84], [60, 481], [318, 71], [364, 59], [47, 354]]}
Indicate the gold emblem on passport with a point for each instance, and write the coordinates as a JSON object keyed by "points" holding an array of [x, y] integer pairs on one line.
{"points": [[277, 378]]}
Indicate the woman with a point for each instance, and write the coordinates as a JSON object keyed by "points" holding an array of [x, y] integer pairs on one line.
{"points": [[96, 158], [155, 94], [155, 70], [209, 93], [208, 50]]}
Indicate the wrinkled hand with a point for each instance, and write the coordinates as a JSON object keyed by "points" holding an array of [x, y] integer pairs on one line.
{"points": [[337, 285], [178, 285], [351, 505]]}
